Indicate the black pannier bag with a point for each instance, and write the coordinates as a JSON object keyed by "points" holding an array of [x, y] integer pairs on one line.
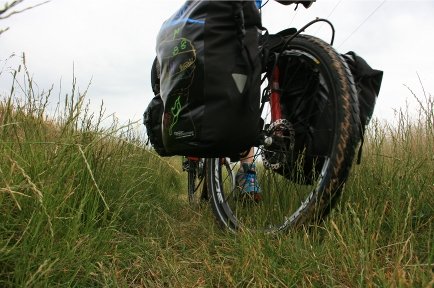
{"points": [[368, 84], [300, 91], [210, 68], [152, 120], [152, 117]]}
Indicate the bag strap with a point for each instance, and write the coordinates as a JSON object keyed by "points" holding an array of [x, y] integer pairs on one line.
{"points": [[241, 31]]}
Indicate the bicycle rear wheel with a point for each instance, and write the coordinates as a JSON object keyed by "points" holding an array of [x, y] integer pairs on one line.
{"points": [[196, 186], [301, 174]]}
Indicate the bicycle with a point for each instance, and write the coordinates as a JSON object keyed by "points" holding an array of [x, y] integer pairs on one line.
{"points": [[306, 147]]}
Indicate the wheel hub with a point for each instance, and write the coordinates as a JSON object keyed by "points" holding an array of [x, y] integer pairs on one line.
{"points": [[278, 144]]}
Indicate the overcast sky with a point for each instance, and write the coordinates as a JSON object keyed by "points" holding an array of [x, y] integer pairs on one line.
{"points": [[112, 44]]}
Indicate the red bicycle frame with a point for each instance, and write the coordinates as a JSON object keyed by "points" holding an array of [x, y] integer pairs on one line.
{"points": [[276, 112]]}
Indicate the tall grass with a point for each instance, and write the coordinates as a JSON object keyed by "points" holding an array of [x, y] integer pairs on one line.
{"points": [[88, 205], [71, 190]]}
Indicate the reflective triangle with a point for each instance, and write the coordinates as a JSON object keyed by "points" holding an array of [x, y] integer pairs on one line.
{"points": [[240, 80]]}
